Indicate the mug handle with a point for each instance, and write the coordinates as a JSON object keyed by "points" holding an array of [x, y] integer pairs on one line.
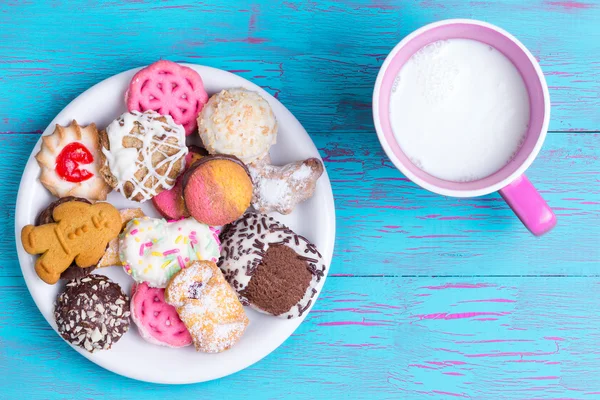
{"points": [[529, 206]]}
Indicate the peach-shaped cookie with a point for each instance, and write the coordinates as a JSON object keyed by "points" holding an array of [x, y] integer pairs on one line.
{"points": [[169, 203], [217, 189]]}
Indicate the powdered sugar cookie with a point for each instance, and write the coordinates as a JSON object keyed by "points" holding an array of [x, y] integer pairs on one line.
{"points": [[157, 321], [208, 306], [170, 89], [281, 188], [152, 250], [70, 162], [273, 269], [142, 154]]}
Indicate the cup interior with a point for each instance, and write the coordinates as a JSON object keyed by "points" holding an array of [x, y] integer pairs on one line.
{"points": [[522, 60]]}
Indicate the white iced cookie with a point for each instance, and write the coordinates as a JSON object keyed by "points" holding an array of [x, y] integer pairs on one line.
{"points": [[70, 162], [238, 122], [152, 250], [143, 154]]}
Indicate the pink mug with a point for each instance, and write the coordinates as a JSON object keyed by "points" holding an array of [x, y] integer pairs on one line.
{"points": [[510, 180]]}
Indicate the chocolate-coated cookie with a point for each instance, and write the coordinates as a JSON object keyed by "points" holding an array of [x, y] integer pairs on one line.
{"points": [[273, 269], [92, 313], [45, 217]]}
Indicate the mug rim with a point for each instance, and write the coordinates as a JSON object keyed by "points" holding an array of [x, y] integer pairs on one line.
{"points": [[423, 182]]}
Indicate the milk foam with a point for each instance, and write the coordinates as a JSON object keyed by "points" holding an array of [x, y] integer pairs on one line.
{"points": [[459, 110]]}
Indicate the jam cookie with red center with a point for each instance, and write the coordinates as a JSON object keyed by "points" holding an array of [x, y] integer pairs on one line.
{"points": [[70, 162], [169, 89]]}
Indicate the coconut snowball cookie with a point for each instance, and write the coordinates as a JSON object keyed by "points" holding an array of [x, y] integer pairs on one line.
{"points": [[273, 269], [238, 122], [142, 154]]}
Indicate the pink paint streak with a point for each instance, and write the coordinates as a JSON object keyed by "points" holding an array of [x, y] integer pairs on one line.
{"points": [[450, 394], [446, 316], [555, 338], [488, 301], [458, 286], [363, 323], [569, 5]]}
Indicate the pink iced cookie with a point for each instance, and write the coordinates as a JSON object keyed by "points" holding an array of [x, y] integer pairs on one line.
{"points": [[169, 89], [157, 322]]}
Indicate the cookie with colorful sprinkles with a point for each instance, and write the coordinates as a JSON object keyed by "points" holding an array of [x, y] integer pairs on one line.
{"points": [[152, 250], [272, 268]]}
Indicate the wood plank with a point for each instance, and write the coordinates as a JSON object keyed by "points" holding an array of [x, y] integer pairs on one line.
{"points": [[389, 226], [319, 58], [372, 337]]}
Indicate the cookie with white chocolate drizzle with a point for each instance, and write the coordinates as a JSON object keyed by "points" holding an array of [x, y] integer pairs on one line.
{"points": [[273, 269], [142, 154]]}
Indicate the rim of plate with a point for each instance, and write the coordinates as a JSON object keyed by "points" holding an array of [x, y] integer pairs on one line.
{"points": [[31, 174]]}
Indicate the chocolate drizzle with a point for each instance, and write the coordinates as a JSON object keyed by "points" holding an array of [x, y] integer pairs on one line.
{"points": [[270, 266]]}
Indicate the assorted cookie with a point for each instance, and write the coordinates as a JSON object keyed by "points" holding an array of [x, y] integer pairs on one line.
{"points": [[111, 255], [238, 122], [142, 154], [217, 189], [81, 233], [169, 203], [70, 162], [45, 217], [281, 188], [169, 89], [152, 250], [92, 313], [188, 288], [273, 269], [208, 306], [157, 322]]}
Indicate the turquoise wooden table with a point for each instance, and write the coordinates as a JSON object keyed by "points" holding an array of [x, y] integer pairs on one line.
{"points": [[428, 297]]}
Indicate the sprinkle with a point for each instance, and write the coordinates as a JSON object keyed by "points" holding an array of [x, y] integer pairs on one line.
{"points": [[185, 240], [142, 249], [133, 232], [181, 263], [127, 235], [140, 262], [166, 264], [198, 255], [149, 228], [137, 239], [149, 244], [157, 254], [178, 239], [192, 233], [154, 240], [136, 222], [141, 229], [187, 259], [169, 252]]}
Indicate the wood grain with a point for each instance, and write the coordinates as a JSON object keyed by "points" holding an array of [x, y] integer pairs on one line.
{"points": [[451, 298], [370, 338], [319, 58]]}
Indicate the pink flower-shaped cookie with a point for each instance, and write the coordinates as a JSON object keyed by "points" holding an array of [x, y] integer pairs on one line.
{"points": [[169, 89]]}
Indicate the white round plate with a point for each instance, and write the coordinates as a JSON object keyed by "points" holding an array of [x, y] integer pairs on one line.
{"points": [[132, 356]]}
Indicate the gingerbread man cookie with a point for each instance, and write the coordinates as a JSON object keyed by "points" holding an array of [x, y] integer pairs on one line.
{"points": [[281, 188], [81, 233], [70, 163]]}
